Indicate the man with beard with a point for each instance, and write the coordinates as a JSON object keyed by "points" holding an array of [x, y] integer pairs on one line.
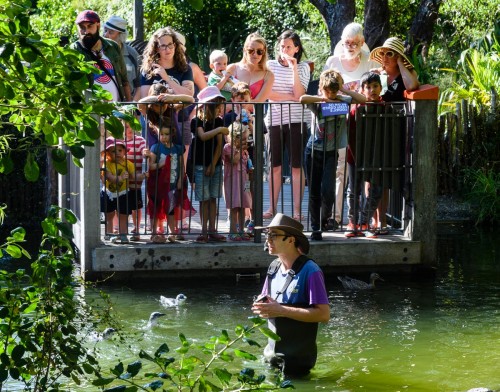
{"points": [[105, 54]]}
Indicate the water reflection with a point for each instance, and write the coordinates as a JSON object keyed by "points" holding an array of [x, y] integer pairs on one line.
{"points": [[429, 334]]}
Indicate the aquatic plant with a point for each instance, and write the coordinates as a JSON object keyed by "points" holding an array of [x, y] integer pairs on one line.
{"points": [[198, 367], [482, 191]]}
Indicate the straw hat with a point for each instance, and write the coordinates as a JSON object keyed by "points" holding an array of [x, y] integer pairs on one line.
{"points": [[289, 226], [209, 93], [112, 142], [395, 44]]}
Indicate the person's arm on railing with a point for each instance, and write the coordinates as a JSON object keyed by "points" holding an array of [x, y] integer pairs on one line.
{"points": [[356, 97], [204, 136]]}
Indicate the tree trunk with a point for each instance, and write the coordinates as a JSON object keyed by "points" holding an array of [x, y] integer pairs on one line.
{"points": [[376, 28], [422, 28], [342, 10]]}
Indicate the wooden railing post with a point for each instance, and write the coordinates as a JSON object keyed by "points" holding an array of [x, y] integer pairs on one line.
{"points": [[424, 171]]}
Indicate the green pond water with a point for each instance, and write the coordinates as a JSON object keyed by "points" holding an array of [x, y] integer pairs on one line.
{"points": [[433, 333]]}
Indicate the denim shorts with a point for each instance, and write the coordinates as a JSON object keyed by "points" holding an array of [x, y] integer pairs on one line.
{"points": [[207, 187]]}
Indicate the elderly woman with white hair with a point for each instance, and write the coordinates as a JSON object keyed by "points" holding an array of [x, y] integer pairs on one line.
{"points": [[115, 28], [351, 58]]}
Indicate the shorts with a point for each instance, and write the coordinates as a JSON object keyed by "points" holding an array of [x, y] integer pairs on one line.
{"points": [[294, 139], [136, 199], [123, 204], [207, 187]]}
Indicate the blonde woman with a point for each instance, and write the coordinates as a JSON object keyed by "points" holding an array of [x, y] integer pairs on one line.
{"points": [[252, 68]]}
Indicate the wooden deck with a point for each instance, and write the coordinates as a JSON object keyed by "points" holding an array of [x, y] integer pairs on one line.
{"points": [[188, 258]]}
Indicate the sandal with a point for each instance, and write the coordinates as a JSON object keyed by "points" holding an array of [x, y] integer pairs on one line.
{"points": [[267, 215], [202, 239], [216, 237], [158, 239], [234, 237], [245, 237], [299, 218], [122, 239], [383, 231]]}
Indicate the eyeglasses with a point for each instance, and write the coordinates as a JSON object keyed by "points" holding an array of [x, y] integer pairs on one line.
{"points": [[389, 54], [170, 46], [352, 45], [273, 236], [260, 52]]}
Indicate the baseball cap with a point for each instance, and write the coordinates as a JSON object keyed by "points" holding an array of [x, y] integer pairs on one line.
{"points": [[88, 16]]}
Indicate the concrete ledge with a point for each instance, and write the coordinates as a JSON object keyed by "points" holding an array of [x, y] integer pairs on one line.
{"points": [[199, 260]]}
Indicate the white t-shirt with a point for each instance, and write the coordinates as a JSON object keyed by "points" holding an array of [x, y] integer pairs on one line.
{"points": [[364, 66], [283, 83], [104, 80]]}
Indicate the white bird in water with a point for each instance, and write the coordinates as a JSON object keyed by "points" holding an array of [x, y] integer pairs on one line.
{"points": [[106, 334], [153, 319], [171, 302], [355, 284]]}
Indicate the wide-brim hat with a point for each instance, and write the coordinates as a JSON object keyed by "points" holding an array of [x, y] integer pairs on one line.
{"points": [[112, 142], [209, 93], [289, 226], [395, 44]]}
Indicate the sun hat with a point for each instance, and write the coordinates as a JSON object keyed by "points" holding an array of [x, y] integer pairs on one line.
{"points": [[209, 93], [395, 44], [116, 23], [112, 142], [289, 226], [88, 16]]}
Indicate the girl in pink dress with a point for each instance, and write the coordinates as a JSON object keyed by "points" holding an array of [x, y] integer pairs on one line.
{"points": [[236, 181]]}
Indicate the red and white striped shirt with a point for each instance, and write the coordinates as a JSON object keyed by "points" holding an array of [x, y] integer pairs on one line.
{"points": [[134, 155]]}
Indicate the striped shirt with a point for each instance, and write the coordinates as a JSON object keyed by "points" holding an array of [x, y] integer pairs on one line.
{"points": [[134, 155], [283, 83]]}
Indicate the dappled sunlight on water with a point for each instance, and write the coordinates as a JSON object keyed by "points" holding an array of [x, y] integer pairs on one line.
{"points": [[431, 334]]}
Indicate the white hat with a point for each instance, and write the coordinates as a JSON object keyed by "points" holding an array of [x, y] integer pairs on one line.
{"points": [[116, 23], [180, 38], [209, 93]]}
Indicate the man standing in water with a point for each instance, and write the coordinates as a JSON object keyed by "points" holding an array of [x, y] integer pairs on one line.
{"points": [[293, 299]]}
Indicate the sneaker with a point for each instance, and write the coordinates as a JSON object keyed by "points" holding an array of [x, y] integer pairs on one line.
{"points": [[316, 236], [250, 227], [234, 237], [331, 225]]}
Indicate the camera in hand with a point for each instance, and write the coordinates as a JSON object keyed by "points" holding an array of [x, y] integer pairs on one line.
{"points": [[261, 298]]}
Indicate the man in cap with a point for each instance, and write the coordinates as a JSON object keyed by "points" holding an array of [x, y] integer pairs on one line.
{"points": [[105, 54], [293, 299], [115, 28]]}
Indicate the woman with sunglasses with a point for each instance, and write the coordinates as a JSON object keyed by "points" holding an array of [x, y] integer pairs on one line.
{"points": [[287, 120], [252, 69], [165, 61], [401, 74], [351, 58]]}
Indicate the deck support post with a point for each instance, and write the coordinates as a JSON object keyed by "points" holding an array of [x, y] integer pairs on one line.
{"points": [[424, 173]]}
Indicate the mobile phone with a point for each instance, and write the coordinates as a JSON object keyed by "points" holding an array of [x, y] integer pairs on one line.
{"points": [[262, 298]]}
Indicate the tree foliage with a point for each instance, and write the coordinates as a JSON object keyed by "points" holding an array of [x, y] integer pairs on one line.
{"points": [[43, 98], [39, 342]]}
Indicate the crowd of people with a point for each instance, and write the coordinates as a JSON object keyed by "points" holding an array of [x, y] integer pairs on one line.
{"points": [[210, 124], [201, 130]]}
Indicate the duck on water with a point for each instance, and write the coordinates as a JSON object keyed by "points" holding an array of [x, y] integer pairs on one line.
{"points": [[356, 284]]}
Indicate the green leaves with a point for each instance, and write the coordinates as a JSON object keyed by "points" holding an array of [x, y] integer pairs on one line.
{"points": [[31, 168]]}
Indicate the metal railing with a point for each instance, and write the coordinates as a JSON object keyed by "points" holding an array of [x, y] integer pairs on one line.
{"points": [[382, 151]]}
